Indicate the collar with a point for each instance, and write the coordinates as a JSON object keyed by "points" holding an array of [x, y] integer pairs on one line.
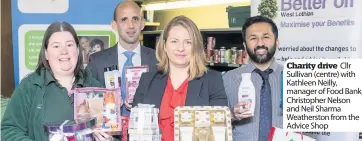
{"points": [[49, 78], [121, 50], [250, 67]]}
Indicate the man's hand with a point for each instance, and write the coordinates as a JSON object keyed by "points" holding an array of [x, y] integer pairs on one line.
{"points": [[240, 109], [128, 105], [121, 102]]}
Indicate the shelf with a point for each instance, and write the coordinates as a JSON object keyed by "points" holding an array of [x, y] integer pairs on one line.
{"points": [[207, 30], [155, 32], [228, 37], [221, 30], [224, 65], [152, 24]]}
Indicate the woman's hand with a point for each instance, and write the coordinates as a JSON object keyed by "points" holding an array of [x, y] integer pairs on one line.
{"points": [[100, 135]]}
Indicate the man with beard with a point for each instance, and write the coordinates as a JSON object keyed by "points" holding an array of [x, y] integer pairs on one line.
{"points": [[257, 83], [128, 21]]}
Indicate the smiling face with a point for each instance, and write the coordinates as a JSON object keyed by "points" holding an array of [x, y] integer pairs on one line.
{"points": [[96, 48], [178, 47], [260, 42], [128, 22], [62, 53], [84, 43]]}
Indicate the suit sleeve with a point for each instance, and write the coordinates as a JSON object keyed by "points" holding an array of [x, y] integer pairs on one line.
{"points": [[140, 91], [227, 85], [218, 95], [92, 67], [14, 125]]}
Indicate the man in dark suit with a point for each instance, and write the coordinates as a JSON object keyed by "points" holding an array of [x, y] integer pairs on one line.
{"points": [[128, 21]]}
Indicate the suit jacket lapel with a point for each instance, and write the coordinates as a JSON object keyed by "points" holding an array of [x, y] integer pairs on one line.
{"points": [[145, 60], [156, 92], [113, 56], [193, 92]]}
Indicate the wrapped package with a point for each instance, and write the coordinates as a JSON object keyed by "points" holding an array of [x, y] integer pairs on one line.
{"points": [[143, 123], [133, 76], [102, 104], [202, 123], [277, 134], [71, 130]]}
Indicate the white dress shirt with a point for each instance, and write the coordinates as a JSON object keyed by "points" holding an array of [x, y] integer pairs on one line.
{"points": [[136, 58]]}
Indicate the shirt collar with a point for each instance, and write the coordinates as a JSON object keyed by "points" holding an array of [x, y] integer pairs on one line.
{"points": [[49, 78], [273, 66], [121, 50]]}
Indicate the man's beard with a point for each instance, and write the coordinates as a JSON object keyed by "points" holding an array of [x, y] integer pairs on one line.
{"points": [[261, 59]]}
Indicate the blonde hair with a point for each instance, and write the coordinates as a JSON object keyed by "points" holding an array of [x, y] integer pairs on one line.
{"points": [[198, 59]]}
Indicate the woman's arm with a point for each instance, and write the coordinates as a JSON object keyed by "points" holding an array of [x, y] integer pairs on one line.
{"points": [[14, 125]]}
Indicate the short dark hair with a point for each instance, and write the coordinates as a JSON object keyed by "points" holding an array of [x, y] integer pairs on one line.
{"points": [[58, 27], [259, 19], [97, 42]]}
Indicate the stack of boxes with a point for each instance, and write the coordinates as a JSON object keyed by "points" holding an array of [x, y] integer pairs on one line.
{"points": [[143, 124]]}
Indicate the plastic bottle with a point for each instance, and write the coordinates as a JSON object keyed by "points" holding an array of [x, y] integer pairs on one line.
{"points": [[247, 92], [111, 75]]}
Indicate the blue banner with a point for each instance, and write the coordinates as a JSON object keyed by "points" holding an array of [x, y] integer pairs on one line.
{"points": [[30, 18]]}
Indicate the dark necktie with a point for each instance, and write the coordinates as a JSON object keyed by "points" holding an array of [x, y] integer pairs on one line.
{"points": [[265, 117], [128, 54]]}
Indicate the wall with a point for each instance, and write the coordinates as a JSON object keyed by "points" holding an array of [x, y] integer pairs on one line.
{"points": [[7, 69], [0, 42], [214, 16]]}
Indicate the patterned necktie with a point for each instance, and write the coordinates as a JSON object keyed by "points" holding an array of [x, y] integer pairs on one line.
{"points": [[128, 54], [265, 117]]}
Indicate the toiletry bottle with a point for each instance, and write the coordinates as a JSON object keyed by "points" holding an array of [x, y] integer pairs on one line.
{"points": [[246, 92], [106, 73], [111, 77], [115, 73]]}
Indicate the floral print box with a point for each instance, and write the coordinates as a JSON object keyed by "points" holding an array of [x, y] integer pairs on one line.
{"points": [[203, 123], [102, 104]]}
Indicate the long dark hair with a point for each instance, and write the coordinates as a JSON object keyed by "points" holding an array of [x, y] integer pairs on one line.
{"points": [[59, 27]]}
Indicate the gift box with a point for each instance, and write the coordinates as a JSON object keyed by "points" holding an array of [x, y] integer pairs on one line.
{"points": [[71, 130], [133, 76], [277, 134], [102, 104], [202, 123], [143, 123]]}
